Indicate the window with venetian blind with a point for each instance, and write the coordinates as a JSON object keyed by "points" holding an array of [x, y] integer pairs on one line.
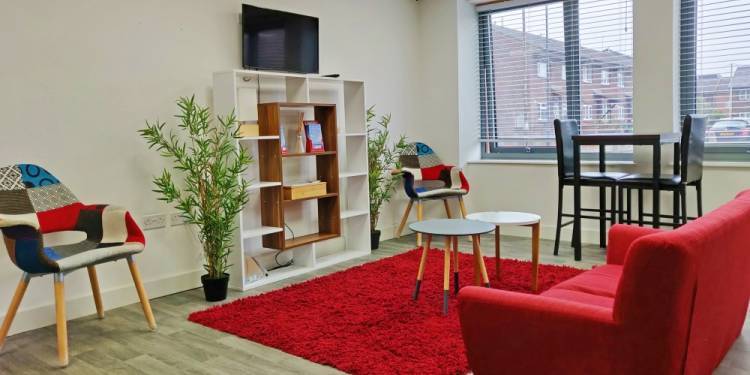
{"points": [[715, 73], [553, 60]]}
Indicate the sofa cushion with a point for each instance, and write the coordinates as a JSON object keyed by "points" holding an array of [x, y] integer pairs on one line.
{"points": [[575, 296], [600, 281]]}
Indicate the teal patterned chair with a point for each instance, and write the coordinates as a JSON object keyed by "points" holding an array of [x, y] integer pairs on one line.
{"points": [[33, 203]]}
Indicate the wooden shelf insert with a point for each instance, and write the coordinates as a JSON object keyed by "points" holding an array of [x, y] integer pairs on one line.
{"points": [[315, 197], [298, 154], [307, 239]]}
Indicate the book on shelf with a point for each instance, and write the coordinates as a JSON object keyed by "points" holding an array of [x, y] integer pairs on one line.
{"points": [[314, 133]]}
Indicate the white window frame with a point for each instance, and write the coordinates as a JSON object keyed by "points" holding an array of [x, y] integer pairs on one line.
{"points": [[520, 121], [586, 73], [620, 79], [541, 69], [605, 77], [541, 111], [743, 94], [586, 112], [562, 72]]}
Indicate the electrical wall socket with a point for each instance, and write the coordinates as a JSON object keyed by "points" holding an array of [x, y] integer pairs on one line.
{"points": [[176, 219], [154, 221]]}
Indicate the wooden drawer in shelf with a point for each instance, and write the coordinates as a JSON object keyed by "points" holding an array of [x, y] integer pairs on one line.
{"points": [[305, 191]]}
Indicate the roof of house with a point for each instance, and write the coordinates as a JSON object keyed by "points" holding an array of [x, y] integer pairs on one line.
{"points": [[606, 56]]}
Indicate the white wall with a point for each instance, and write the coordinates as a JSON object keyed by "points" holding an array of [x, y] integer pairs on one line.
{"points": [[80, 77]]}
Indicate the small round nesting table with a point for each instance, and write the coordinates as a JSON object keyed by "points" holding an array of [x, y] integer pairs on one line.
{"points": [[451, 229], [500, 218]]}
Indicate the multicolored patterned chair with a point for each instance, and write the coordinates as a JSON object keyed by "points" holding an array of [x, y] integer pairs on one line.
{"points": [[32, 203], [427, 178]]}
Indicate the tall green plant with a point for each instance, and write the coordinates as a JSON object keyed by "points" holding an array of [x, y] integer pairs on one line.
{"points": [[382, 157], [210, 191]]}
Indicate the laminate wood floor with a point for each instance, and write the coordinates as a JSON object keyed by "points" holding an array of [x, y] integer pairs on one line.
{"points": [[122, 344]]}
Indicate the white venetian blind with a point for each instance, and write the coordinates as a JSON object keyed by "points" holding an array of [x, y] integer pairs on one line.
{"points": [[715, 72], [528, 77]]}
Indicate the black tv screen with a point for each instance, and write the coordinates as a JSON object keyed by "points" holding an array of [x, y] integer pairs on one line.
{"points": [[282, 41]]}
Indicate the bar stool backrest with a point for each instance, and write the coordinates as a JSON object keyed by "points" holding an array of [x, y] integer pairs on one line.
{"points": [[691, 147], [564, 132]]}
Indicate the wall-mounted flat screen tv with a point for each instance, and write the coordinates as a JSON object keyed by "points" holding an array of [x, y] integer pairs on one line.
{"points": [[281, 41]]}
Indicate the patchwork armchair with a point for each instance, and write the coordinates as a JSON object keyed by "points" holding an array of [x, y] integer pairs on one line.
{"points": [[32, 203], [427, 178]]}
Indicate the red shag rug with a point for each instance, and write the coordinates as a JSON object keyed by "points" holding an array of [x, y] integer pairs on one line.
{"points": [[363, 321]]}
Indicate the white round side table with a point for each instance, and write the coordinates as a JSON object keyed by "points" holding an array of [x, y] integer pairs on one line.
{"points": [[499, 218]]}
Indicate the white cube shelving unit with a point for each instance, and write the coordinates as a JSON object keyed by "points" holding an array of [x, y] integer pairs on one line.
{"points": [[241, 91]]}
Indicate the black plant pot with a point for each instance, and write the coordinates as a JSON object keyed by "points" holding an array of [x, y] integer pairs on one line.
{"points": [[375, 240], [215, 289]]}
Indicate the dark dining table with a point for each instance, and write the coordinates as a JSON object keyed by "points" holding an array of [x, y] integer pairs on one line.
{"points": [[602, 140]]}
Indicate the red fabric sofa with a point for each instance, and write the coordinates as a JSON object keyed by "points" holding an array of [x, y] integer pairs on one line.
{"points": [[666, 302]]}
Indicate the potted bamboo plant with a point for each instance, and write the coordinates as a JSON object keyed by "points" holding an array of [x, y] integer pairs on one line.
{"points": [[208, 188], [382, 157]]}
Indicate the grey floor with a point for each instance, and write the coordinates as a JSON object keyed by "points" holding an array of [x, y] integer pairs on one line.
{"points": [[121, 343]]}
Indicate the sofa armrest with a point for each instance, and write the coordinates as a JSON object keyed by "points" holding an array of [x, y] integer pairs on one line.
{"points": [[621, 236], [518, 333]]}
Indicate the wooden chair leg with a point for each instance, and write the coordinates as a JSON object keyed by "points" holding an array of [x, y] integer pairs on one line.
{"points": [[446, 275], [404, 219], [482, 270], [95, 290], [497, 252], [420, 271], [141, 293], [13, 307], [62, 323], [463, 207], [447, 208], [535, 234], [420, 213], [455, 265]]}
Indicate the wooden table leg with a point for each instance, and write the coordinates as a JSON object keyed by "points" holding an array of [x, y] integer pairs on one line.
{"points": [[481, 270], [419, 218], [420, 271], [535, 257], [446, 275], [497, 252]]}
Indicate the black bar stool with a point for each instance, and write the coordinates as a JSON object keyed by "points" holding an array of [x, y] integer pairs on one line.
{"points": [[564, 131], [691, 174]]}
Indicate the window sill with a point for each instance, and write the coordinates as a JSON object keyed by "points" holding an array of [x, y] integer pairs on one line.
{"points": [[549, 162], [726, 164], [708, 164]]}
